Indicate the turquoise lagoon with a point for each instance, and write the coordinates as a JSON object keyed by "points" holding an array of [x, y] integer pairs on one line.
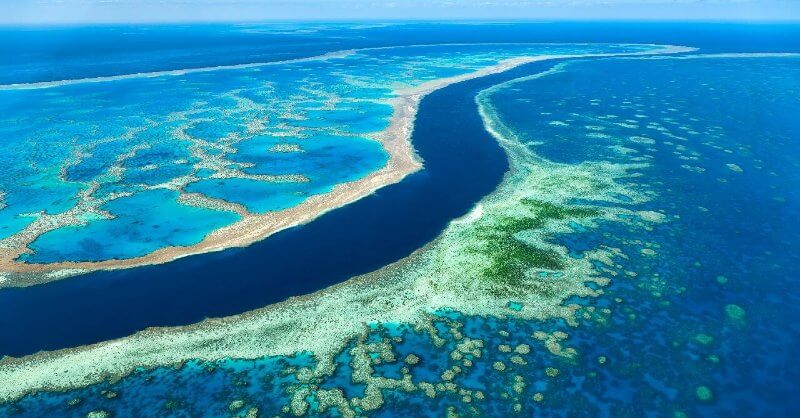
{"points": [[86, 159]]}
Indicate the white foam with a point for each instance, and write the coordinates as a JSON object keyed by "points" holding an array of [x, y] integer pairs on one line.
{"points": [[730, 55], [472, 216]]}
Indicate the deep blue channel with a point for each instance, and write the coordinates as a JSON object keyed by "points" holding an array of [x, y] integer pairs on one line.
{"points": [[463, 163]]}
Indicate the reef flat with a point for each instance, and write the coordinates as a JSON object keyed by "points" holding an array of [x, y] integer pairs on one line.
{"points": [[225, 168], [457, 271]]}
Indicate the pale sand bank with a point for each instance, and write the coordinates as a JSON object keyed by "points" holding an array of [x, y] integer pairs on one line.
{"points": [[402, 160]]}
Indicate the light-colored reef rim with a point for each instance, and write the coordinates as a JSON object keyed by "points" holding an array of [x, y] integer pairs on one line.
{"points": [[154, 74], [391, 294], [329, 55], [402, 161], [729, 55]]}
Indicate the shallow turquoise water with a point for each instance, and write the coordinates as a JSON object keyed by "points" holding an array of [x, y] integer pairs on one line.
{"points": [[139, 228], [76, 146]]}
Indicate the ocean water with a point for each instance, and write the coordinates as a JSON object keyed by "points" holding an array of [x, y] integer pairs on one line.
{"points": [[692, 166], [702, 300]]}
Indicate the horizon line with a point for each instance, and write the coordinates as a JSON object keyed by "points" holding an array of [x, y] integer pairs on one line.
{"points": [[498, 20]]}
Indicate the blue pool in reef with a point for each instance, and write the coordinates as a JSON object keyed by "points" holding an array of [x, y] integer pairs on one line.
{"points": [[88, 159], [586, 236]]}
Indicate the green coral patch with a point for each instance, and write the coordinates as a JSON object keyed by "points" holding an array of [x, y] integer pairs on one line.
{"points": [[511, 257]]}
